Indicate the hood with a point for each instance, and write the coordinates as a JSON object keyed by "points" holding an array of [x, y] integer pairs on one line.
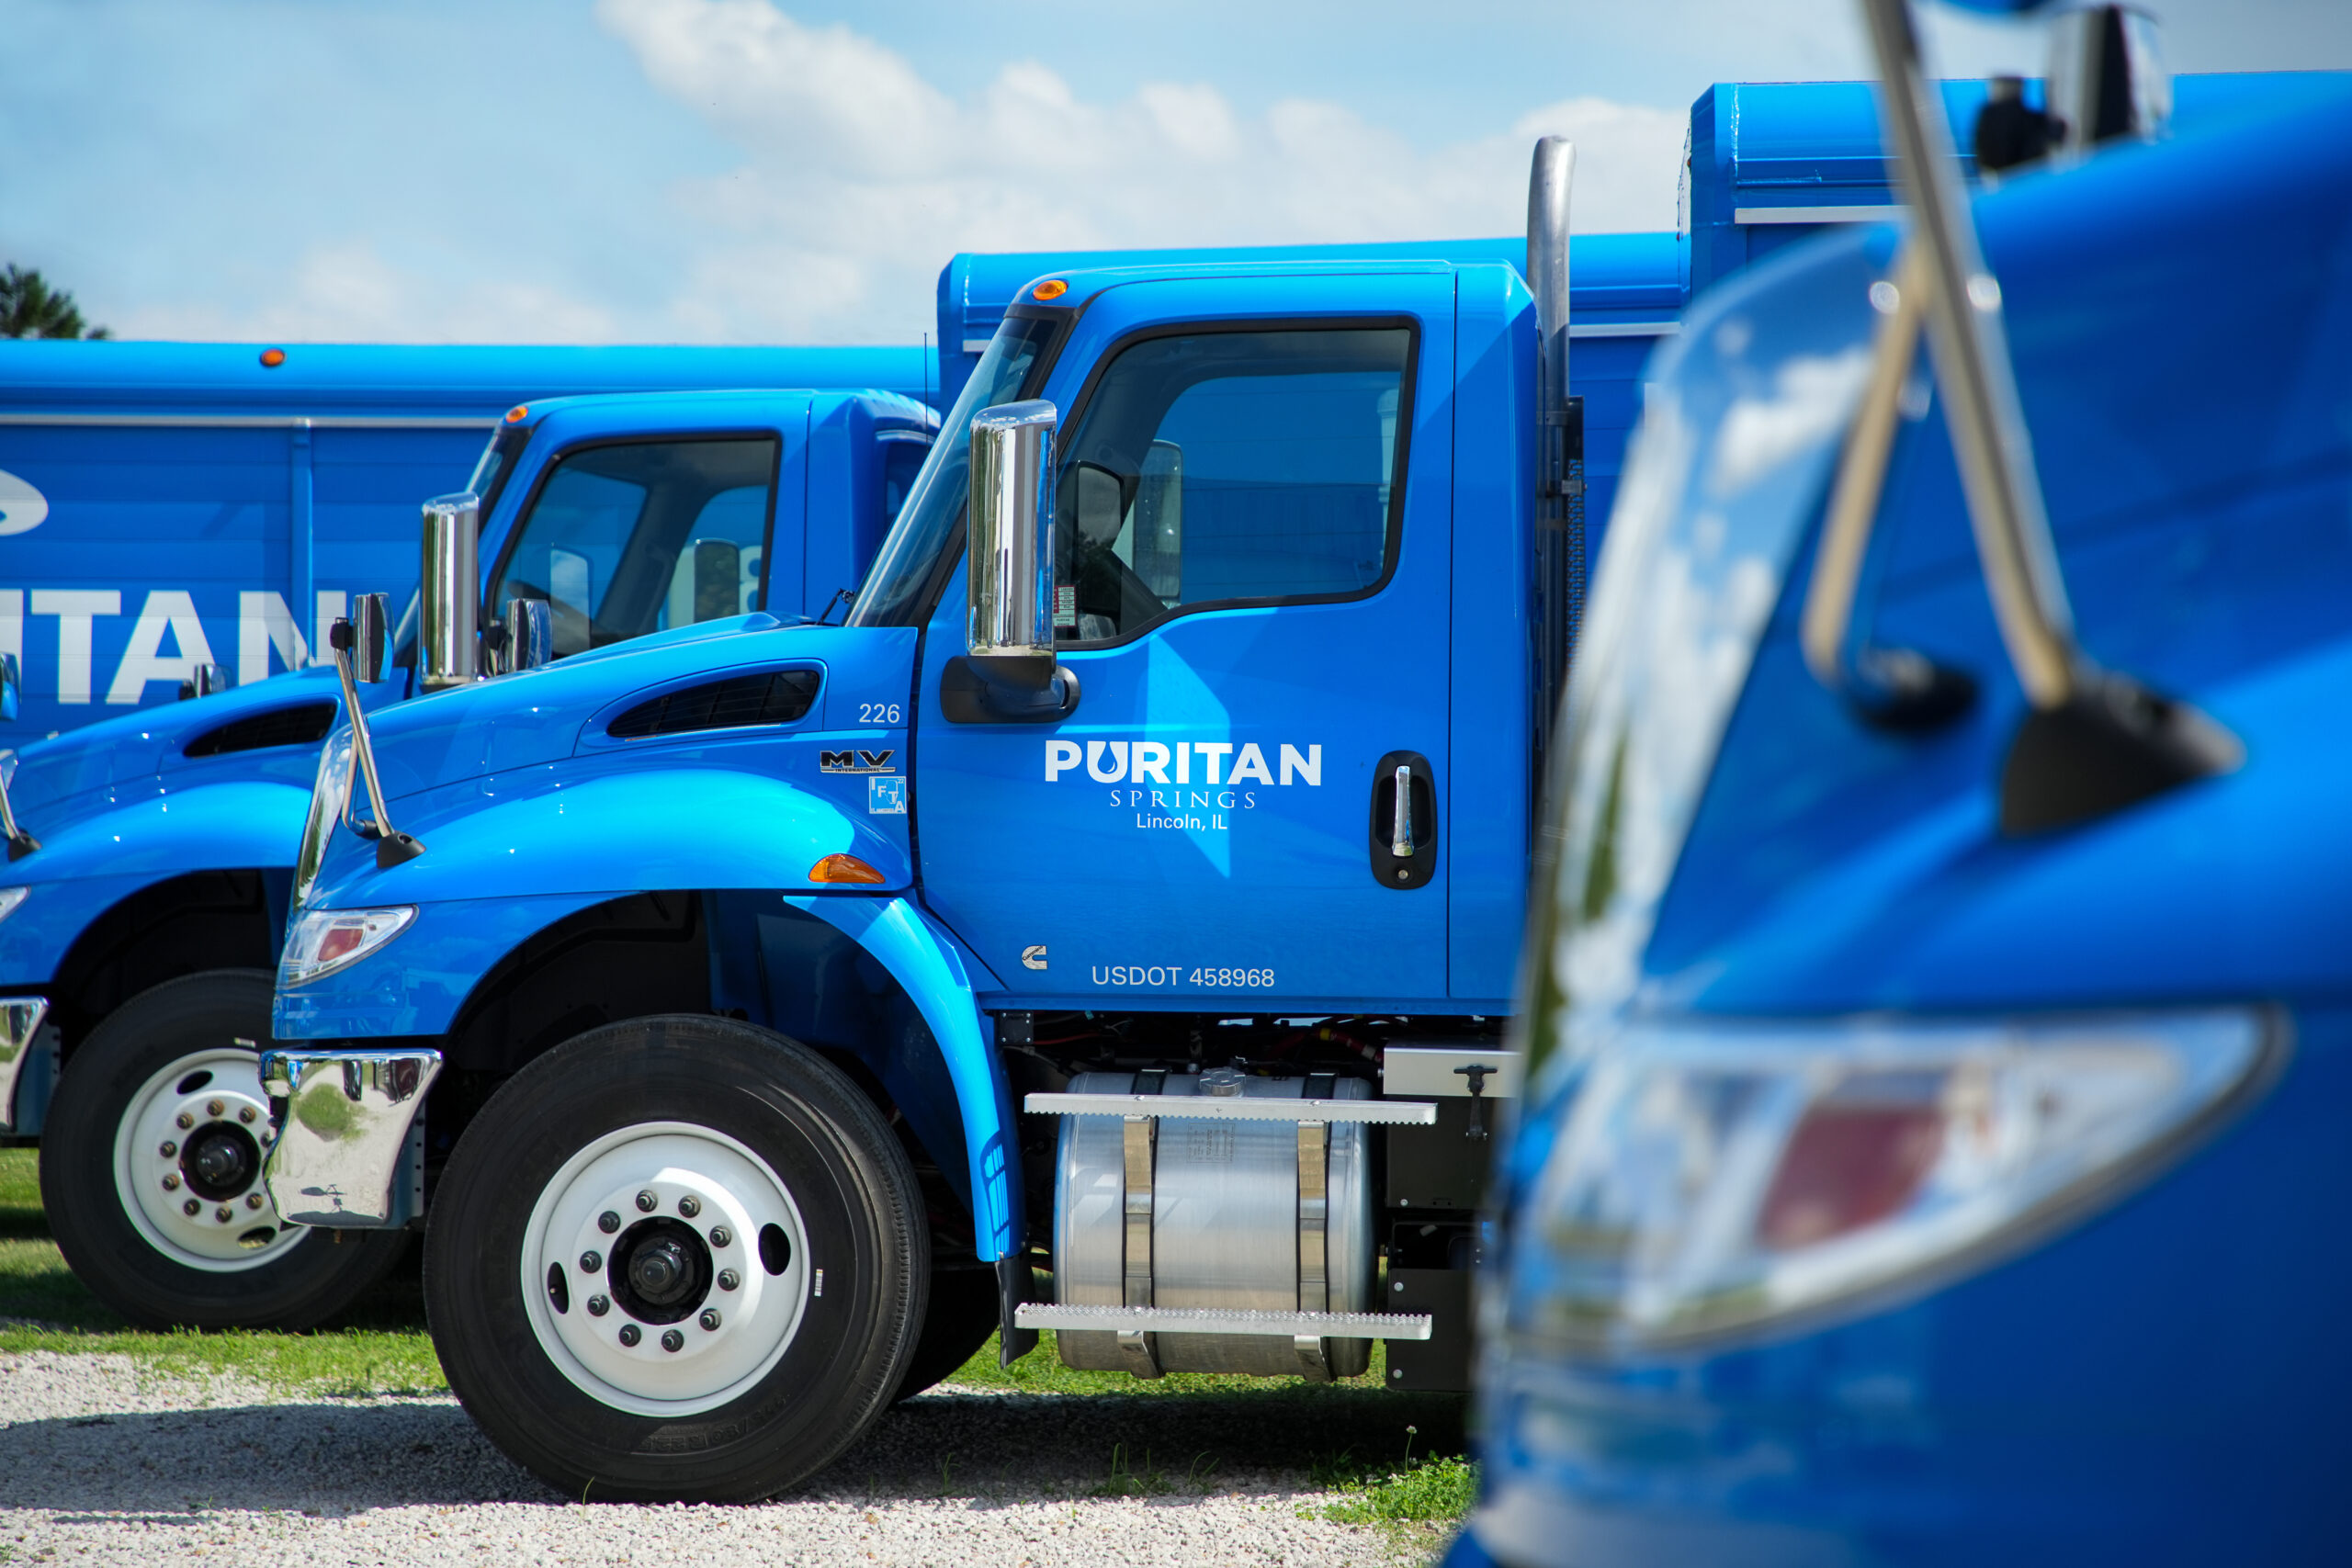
{"points": [[55, 774], [519, 721]]}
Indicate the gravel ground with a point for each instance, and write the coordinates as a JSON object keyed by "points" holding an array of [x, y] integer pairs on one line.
{"points": [[102, 1462]]}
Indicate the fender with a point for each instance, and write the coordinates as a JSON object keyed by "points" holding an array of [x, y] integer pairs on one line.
{"points": [[85, 868], [936, 973]]}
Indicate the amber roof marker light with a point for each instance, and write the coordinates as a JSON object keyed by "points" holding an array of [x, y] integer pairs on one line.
{"points": [[517, 413], [1052, 288], [271, 358]]}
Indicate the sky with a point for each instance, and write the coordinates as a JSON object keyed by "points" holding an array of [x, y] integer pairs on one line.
{"points": [[797, 170]]}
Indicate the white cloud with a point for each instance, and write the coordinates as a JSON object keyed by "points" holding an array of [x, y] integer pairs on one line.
{"points": [[859, 178], [349, 293]]}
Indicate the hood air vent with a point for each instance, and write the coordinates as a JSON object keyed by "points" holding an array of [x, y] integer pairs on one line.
{"points": [[306, 725], [771, 697]]}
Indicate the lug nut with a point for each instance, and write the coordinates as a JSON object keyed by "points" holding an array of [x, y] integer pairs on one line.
{"points": [[246, 1114], [709, 1319], [171, 1184], [170, 1148], [690, 1206], [215, 1108], [225, 1213], [608, 1222], [598, 1306], [645, 1202], [720, 1236], [729, 1278], [268, 1136], [630, 1334], [191, 1207], [252, 1199], [671, 1340], [182, 1121], [590, 1261]]}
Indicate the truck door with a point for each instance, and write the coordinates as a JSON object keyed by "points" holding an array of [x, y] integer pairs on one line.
{"points": [[1253, 482]]}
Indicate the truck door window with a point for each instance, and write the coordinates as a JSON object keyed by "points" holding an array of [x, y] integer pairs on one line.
{"points": [[637, 536], [1227, 468]]}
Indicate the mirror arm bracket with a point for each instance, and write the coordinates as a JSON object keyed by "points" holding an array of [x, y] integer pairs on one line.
{"points": [[1006, 691]]}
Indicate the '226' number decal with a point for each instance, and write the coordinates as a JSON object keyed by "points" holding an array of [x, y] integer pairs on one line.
{"points": [[878, 713]]}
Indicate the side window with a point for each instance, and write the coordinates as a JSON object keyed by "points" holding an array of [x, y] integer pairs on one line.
{"points": [[638, 537], [1226, 467]]}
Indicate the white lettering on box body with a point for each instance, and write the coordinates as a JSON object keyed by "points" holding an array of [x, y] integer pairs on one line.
{"points": [[1061, 756], [171, 610], [1309, 767], [74, 609], [1250, 764]]}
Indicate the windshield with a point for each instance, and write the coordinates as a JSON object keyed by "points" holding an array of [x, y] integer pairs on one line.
{"points": [[497, 463], [637, 536], [894, 589], [1726, 472]]}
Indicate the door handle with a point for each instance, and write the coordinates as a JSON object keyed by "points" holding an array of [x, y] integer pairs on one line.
{"points": [[1404, 822]]}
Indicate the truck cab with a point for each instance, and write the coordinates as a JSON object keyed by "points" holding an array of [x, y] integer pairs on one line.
{"points": [[886, 944], [138, 929]]}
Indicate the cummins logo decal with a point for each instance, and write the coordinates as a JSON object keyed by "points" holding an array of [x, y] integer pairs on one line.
{"points": [[1189, 786], [21, 506]]}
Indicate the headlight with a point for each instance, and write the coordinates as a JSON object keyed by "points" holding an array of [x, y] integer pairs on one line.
{"points": [[1718, 1175], [9, 898], [328, 793], [327, 939]]}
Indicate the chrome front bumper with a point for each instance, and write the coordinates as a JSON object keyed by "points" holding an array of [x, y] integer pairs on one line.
{"points": [[28, 1062], [349, 1151]]}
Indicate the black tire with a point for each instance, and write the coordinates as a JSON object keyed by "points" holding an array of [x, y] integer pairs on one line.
{"points": [[539, 1145], [157, 1271], [960, 1316]]}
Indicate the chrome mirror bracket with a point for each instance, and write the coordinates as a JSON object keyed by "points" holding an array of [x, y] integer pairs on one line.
{"points": [[2096, 741], [392, 846], [1888, 688]]}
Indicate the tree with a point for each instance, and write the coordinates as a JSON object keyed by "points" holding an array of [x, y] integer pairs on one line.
{"points": [[30, 308]]}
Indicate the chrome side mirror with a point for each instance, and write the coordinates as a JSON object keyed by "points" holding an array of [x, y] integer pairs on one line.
{"points": [[529, 641], [370, 636], [12, 688], [1011, 532], [450, 591], [205, 680]]}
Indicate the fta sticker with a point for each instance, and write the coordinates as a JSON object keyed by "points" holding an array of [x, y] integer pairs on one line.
{"points": [[886, 795]]}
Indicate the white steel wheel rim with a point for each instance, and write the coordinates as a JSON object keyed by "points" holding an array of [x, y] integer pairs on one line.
{"points": [[733, 1192], [212, 1096]]}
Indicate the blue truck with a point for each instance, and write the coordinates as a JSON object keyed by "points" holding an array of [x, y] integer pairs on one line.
{"points": [[1936, 993], [166, 507], [151, 854]]}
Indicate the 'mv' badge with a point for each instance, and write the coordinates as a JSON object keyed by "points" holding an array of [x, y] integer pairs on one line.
{"points": [[886, 795]]}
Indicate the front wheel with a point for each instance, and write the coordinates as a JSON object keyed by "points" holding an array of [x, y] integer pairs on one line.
{"points": [[151, 1170], [676, 1259]]}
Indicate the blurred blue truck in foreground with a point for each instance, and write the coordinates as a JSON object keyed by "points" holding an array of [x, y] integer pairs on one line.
{"points": [[1938, 1057]]}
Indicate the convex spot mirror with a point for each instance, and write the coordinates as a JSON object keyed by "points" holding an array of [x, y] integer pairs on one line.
{"points": [[450, 589], [370, 644], [1011, 532], [529, 642]]}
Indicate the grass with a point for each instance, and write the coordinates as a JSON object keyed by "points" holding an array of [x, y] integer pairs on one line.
{"points": [[1040, 1372], [381, 1347], [1416, 1502]]}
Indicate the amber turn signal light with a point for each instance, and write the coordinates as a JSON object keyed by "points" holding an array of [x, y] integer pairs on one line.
{"points": [[518, 412], [844, 868], [1052, 288], [271, 358]]}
